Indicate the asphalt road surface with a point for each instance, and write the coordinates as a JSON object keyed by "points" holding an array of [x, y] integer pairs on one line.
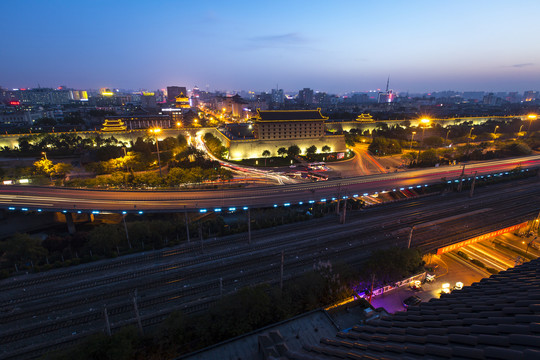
{"points": [[73, 200]]}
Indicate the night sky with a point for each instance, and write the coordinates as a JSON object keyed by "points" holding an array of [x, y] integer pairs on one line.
{"points": [[333, 46]]}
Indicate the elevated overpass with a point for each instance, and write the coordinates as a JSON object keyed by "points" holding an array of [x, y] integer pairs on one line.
{"points": [[68, 200]]}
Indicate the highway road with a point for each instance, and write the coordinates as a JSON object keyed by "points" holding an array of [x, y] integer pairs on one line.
{"points": [[84, 200]]}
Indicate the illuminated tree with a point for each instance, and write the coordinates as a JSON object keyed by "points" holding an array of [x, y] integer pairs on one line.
{"points": [[43, 167], [61, 169]]}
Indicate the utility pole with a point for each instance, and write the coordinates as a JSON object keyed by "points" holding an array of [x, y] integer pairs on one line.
{"points": [[107, 323], [249, 226], [220, 287], [472, 185], [281, 270], [372, 283], [137, 315], [187, 223], [410, 237], [460, 186], [338, 198], [344, 216], [201, 237], [125, 228]]}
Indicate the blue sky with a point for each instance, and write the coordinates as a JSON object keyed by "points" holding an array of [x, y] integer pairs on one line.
{"points": [[334, 46]]}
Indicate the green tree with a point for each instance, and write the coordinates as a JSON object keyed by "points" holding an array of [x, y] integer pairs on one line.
{"points": [[293, 151], [265, 154], [61, 169], [326, 149], [182, 141], [311, 150], [22, 248], [43, 167], [428, 158], [434, 141], [105, 238], [382, 146], [391, 265], [282, 151]]}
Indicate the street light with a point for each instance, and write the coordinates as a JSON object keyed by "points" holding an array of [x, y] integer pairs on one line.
{"points": [[495, 133], [44, 154], [519, 131], [470, 134], [531, 117], [424, 122], [412, 137], [446, 138], [156, 131]]}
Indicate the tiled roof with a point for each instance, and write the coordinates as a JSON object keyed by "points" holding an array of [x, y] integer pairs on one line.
{"points": [[282, 115], [496, 318]]}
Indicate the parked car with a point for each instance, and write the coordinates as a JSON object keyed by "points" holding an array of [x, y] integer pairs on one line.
{"points": [[411, 301]]}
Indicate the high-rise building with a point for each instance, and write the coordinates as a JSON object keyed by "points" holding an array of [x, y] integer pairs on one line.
{"points": [[305, 96], [530, 95], [43, 96], [277, 96], [148, 101]]}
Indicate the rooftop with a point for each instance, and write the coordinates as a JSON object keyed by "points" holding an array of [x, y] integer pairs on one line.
{"points": [[496, 318], [285, 115]]}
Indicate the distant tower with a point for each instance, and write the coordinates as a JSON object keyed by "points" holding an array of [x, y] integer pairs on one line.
{"points": [[388, 95]]}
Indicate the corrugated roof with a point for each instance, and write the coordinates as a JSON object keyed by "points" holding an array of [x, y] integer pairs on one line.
{"points": [[496, 318]]}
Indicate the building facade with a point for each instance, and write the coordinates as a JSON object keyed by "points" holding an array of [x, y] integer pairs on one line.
{"points": [[276, 129], [297, 124]]}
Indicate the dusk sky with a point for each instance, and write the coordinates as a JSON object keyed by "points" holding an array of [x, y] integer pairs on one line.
{"points": [[333, 46]]}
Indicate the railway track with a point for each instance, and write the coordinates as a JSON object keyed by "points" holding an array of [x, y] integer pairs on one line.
{"points": [[336, 239]]}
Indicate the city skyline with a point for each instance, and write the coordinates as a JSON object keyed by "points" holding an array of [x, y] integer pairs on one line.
{"points": [[423, 47]]}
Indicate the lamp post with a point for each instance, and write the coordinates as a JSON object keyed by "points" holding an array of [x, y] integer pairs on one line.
{"points": [[495, 133], [519, 131], [424, 122], [446, 138], [412, 138], [44, 154], [156, 131], [531, 117], [469, 137]]}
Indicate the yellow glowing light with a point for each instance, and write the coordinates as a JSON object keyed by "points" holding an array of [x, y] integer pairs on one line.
{"points": [[532, 116], [425, 121], [178, 124], [107, 93], [224, 109], [155, 130]]}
